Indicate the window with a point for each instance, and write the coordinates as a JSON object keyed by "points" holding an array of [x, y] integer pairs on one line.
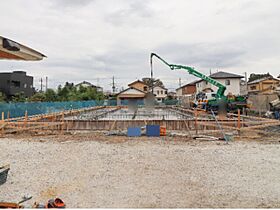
{"points": [[161, 92], [15, 83], [145, 88], [254, 87], [166, 92], [25, 85], [227, 82], [158, 92], [206, 82]]}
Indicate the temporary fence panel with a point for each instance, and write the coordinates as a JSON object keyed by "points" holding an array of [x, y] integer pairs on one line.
{"points": [[34, 108]]}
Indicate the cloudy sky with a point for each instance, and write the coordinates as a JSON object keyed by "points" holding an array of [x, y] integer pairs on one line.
{"points": [[95, 40]]}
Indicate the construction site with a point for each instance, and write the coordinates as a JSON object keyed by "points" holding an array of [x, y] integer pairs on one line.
{"points": [[214, 149], [87, 155]]}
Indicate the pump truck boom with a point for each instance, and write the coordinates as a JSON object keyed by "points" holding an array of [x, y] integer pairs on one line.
{"points": [[238, 102]]}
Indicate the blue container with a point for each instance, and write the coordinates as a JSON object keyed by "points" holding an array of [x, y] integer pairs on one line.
{"points": [[134, 131], [153, 130]]}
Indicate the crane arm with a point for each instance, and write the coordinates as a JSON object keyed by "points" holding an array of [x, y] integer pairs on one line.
{"points": [[221, 88]]}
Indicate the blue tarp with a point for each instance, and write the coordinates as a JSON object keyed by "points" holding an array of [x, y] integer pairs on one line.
{"points": [[153, 130], [134, 131]]}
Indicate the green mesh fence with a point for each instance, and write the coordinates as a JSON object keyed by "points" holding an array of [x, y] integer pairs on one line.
{"points": [[34, 108]]}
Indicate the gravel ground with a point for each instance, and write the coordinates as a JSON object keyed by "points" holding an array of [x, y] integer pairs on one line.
{"points": [[87, 170]]}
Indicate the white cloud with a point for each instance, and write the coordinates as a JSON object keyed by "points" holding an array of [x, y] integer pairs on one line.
{"points": [[91, 39]]}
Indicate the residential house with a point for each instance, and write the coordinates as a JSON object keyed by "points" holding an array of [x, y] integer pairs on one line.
{"points": [[160, 93], [172, 95], [264, 85], [130, 93], [88, 84], [10, 49], [188, 89], [230, 80], [15, 82], [140, 85]]}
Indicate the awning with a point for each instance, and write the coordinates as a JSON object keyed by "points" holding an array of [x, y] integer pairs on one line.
{"points": [[10, 49]]}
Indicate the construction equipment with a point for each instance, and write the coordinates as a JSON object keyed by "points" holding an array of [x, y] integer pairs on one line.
{"points": [[275, 107], [231, 103]]}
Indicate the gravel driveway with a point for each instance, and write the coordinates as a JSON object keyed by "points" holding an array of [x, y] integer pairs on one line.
{"points": [[98, 171]]}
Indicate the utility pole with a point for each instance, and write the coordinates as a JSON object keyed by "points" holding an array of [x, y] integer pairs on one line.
{"points": [[114, 87], [46, 84], [41, 82], [152, 75], [246, 82]]}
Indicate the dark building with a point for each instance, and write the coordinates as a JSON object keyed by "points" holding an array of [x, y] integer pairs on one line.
{"points": [[16, 82]]}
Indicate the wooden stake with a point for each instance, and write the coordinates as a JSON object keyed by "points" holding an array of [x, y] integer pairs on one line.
{"points": [[25, 119], [62, 125], [2, 123], [8, 116], [195, 123], [238, 118]]}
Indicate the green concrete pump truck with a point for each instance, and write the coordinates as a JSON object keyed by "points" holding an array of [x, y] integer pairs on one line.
{"points": [[231, 103]]}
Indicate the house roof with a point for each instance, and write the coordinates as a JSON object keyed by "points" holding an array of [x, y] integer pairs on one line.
{"points": [[189, 84], [129, 89], [262, 79], [10, 49], [161, 87], [136, 82], [222, 74]]}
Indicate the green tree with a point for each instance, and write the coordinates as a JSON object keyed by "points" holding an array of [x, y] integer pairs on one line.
{"points": [[2, 97], [155, 82], [38, 97], [259, 76], [63, 92], [50, 95], [19, 97]]}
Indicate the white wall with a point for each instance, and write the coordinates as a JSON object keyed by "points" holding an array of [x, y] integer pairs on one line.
{"points": [[233, 88], [160, 93], [179, 92]]}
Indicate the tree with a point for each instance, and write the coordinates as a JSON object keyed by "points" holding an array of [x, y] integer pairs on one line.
{"points": [[2, 97], [19, 97], [50, 95], [64, 92], [38, 97], [258, 76], [155, 82]]}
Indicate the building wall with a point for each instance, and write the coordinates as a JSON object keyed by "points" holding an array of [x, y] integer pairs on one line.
{"points": [[233, 88], [130, 93], [160, 93], [140, 86], [264, 86], [179, 92], [189, 89], [16, 82]]}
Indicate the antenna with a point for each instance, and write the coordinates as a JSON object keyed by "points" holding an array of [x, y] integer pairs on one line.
{"points": [[41, 82], [46, 84], [113, 85]]}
